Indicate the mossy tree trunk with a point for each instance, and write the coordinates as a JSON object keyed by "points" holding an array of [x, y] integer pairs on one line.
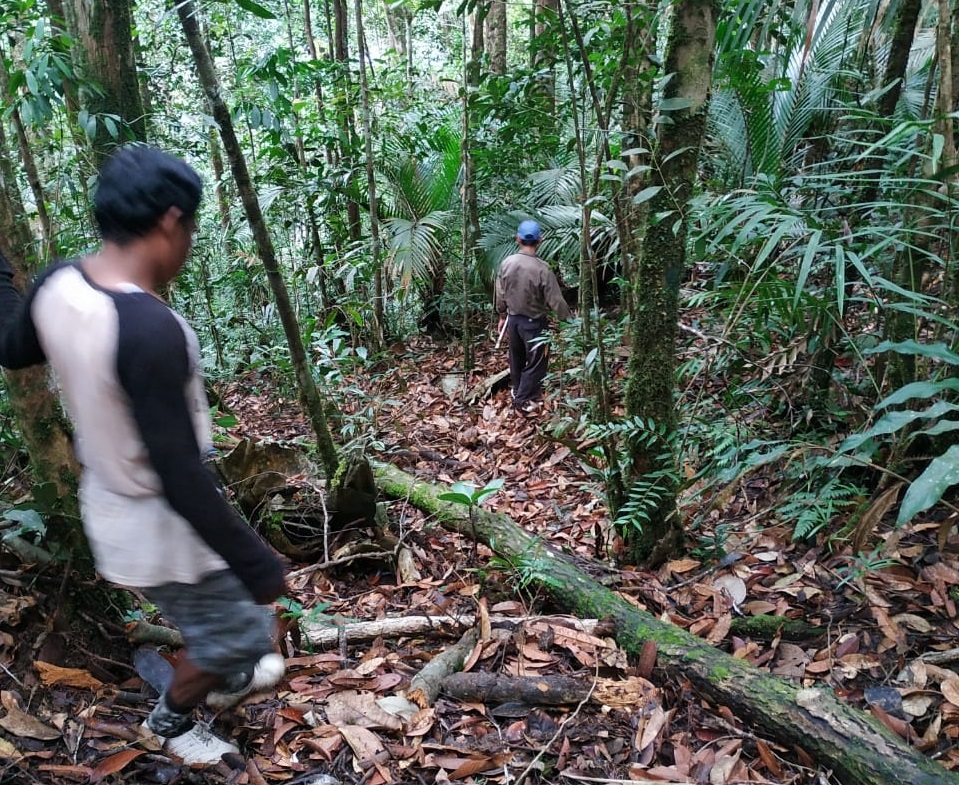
{"points": [[857, 749], [106, 54], [45, 431], [658, 274], [313, 405]]}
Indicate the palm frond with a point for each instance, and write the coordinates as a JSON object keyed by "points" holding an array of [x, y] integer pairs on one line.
{"points": [[415, 246]]}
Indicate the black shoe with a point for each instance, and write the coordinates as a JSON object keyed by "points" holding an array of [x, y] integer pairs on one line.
{"points": [[525, 408]]}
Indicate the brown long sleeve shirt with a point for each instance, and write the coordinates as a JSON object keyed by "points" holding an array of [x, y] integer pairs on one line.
{"points": [[526, 286]]}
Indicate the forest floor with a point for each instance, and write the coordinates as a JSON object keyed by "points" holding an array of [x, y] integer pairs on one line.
{"points": [[72, 701]]}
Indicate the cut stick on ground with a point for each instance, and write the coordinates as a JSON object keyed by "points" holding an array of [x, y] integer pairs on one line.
{"points": [[425, 685], [501, 688], [852, 744]]}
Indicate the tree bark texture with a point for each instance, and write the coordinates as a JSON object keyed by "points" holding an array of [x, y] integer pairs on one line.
{"points": [[345, 118], [103, 30], [496, 36], [855, 746], [310, 399], [651, 379], [379, 311], [46, 434]]}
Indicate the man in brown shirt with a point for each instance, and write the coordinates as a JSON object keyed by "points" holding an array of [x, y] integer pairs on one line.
{"points": [[526, 292]]}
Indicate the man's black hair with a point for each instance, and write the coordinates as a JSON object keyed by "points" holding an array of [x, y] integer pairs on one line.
{"points": [[136, 186]]}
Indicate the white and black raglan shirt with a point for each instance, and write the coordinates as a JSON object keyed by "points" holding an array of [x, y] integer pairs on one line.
{"points": [[129, 372]]}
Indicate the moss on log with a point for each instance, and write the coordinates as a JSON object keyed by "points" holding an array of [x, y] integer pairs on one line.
{"points": [[851, 743]]}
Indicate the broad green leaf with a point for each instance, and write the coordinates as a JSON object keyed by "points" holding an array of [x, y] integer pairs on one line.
{"points": [[488, 490], [943, 426], [936, 351], [674, 104], [927, 489], [895, 421], [918, 390], [256, 9], [32, 82], [646, 194], [456, 498], [812, 247]]}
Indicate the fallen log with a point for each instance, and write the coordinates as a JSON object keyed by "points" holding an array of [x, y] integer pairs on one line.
{"points": [[392, 627], [857, 749]]}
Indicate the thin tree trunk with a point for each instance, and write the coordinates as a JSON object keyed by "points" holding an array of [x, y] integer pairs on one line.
{"points": [[309, 395], [651, 380], [848, 741], [471, 227], [219, 182], [348, 142], [544, 55], [379, 316], [912, 260], [496, 36], [29, 165]]}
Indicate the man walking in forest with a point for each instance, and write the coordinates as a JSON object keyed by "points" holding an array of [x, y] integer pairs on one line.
{"points": [[526, 292], [128, 367]]}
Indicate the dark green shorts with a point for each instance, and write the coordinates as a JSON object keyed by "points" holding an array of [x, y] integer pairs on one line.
{"points": [[224, 631]]}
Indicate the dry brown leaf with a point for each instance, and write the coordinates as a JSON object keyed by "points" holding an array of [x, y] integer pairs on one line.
{"points": [[24, 726], [478, 765], [651, 724], [421, 723], [114, 763], [720, 773], [8, 751], [873, 515], [913, 622], [367, 748], [721, 629], [758, 607], [918, 704], [12, 607], [950, 690], [683, 565], [769, 759], [633, 691], [359, 708], [70, 677], [896, 725]]}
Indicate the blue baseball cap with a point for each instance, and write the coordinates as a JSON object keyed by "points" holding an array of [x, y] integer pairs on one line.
{"points": [[529, 232]]}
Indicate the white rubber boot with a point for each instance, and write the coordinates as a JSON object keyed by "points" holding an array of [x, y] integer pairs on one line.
{"points": [[266, 673], [197, 746]]}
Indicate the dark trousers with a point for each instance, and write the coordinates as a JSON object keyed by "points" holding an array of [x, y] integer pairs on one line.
{"points": [[528, 358]]}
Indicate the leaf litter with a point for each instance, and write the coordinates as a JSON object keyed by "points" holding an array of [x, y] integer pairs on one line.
{"points": [[882, 639]]}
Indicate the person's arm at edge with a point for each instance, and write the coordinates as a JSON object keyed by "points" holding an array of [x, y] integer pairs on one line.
{"points": [[19, 344], [499, 298], [153, 367], [554, 296]]}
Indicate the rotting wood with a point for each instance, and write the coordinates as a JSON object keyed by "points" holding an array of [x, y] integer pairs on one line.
{"points": [[485, 388], [543, 690], [941, 657], [425, 685], [851, 743], [141, 632]]}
